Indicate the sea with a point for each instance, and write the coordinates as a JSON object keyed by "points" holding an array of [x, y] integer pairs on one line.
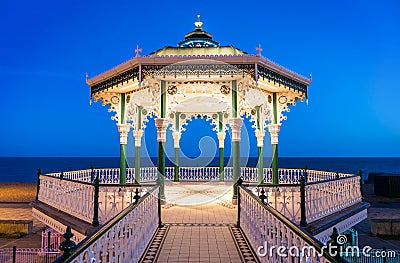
{"points": [[24, 169]]}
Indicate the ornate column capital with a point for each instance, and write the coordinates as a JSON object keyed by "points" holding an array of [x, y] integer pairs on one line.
{"points": [[123, 130], [274, 131], [161, 125], [177, 136], [138, 137], [260, 137], [221, 139], [236, 125]]}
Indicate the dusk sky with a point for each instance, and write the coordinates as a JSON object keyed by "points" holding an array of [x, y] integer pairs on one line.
{"points": [[352, 49]]}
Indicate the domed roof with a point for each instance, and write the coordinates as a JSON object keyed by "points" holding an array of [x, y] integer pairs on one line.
{"points": [[198, 43], [198, 37]]}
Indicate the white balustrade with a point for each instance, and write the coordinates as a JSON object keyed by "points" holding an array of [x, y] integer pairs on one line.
{"points": [[124, 238], [249, 174], [107, 175], [73, 197], [198, 174], [263, 226], [148, 174], [228, 173], [325, 198], [284, 199], [114, 199]]}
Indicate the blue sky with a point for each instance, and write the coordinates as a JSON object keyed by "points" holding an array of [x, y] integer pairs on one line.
{"points": [[352, 49]]}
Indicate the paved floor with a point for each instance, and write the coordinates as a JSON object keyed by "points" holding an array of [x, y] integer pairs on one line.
{"points": [[199, 225]]}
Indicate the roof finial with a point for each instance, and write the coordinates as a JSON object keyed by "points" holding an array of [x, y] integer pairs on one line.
{"points": [[138, 50], [259, 49], [198, 23]]}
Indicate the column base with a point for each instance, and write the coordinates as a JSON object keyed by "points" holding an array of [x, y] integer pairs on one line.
{"points": [[234, 201]]}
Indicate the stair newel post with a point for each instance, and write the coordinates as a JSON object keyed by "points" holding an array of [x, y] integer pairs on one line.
{"points": [[67, 246]]}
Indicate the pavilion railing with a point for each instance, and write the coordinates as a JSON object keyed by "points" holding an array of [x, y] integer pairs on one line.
{"points": [[125, 237], [327, 197], [320, 199], [264, 226], [81, 199], [149, 174]]}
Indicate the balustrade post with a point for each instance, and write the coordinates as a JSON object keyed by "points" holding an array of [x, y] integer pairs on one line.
{"points": [[236, 125], [262, 196], [67, 246], [39, 172], [61, 175], [95, 221], [239, 183], [361, 183], [91, 173], [303, 219], [305, 174], [137, 196]]}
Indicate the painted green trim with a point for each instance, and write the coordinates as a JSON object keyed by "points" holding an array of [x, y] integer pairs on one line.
{"points": [[122, 148], [260, 163], [275, 108], [220, 122], [221, 150], [161, 168], [260, 166], [161, 151], [163, 99], [235, 145], [137, 165], [122, 108], [122, 164], [275, 176], [176, 165], [221, 164], [236, 168], [176, 150], [234, 99], [137, 148], [177, 115]]}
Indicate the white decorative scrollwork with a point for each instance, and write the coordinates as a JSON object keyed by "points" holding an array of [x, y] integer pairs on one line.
{"points": [[109, 99]]}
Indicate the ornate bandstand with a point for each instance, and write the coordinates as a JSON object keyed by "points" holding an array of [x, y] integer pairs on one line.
{"points": [[173, 85], [199, 78]]}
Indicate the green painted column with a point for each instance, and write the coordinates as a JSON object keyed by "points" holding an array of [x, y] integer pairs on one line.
{"points": [[122, 147], [260, 163], [176, 147], [275, 176], [161, 142], [138, 134], [235, 142], [221, 137]]}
